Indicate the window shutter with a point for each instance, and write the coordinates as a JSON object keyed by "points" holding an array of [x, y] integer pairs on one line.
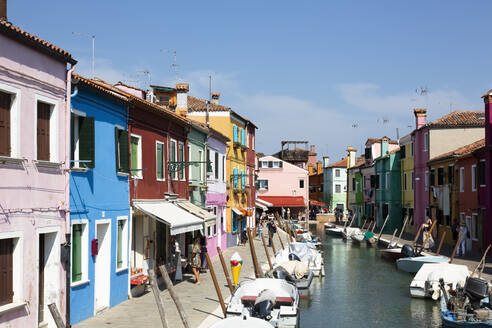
{"points": [[76, 252], [5, 103], [270, 163], [158, 162], [43, 131], [124, 152], [280, 164], [243, 180], [134, 155], [119, 256], [6, 271], [243, 138], [216, 164], [86, 142], [234, 132], [234, 222], [266, 184], [235, 178]]}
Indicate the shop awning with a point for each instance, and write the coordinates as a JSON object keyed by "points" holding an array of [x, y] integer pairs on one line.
{"points": [[208, 217], [284, 201], [237, 211], [265, 203], [260, 205], [314, 202], [178, 220], [245, 212]]}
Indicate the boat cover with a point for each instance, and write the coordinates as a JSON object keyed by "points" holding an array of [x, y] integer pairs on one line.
{"points": [[296, 268]]}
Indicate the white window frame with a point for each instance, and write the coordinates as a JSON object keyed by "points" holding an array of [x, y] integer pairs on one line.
{"points": [[76, 154], [253, 142], [200, 158], [339, 185], [426, 141], [337, 173], [85, 252], [276, 164], [124, 246], [175, 173], [54, 130], [261, 185], [474, 177], [462, 179], [405, 181], [223, 168], [426, 178], [474, 223], [387, 182], [183, 159], [157, 142], [264, 164], [17, 268], [15, 115], [139, 173], [190, 169]]}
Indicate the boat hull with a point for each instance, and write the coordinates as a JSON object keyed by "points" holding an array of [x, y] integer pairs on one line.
{"points": [[448, 320], [392, 254], [336, 232], [413, 264]]}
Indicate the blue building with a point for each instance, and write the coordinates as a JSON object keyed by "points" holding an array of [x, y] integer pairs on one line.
{"points": [[99, 199]]}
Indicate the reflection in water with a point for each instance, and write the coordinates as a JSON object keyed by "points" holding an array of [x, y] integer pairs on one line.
{"points": [[361, 290]]}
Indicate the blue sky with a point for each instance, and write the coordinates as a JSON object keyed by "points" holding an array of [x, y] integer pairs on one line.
{"points": [[305, 70]]}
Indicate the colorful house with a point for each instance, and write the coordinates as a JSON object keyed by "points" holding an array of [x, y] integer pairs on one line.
{"points": [[283, 186], [99, 194], [335, 184], [316, 184], [355, 195], [34, 195], [234, 126], [440, 136], [485, 156], [388, 193], [250, 173], [199, 170], [407, 179]]}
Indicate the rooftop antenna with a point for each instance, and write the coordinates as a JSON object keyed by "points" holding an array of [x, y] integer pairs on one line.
{"points": [[174, 65], [209, 97], [145, 72], [93, 37]]}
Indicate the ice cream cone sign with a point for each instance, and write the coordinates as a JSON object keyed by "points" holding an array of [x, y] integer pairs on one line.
{"points": [[236, 264]]}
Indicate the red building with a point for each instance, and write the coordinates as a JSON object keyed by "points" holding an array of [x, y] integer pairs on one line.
{"points": [[251, 165]]}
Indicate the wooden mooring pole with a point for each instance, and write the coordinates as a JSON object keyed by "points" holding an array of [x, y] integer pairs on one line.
{"points": [[56, 316], [460, 235], [174, 296], [440, 243], [157, 297], [266, 251], [226, 272], [271, 242], [258, 273], [216, 284]]}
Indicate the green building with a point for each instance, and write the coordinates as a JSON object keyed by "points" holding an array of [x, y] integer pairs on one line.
{"points": [[197, 152]]}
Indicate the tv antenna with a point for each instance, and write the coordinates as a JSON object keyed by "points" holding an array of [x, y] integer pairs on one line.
{"points": [[146, 73], [174, 65]]}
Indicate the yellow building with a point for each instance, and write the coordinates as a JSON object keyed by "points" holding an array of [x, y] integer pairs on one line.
{"points": [[407, 180], [240, 185]]}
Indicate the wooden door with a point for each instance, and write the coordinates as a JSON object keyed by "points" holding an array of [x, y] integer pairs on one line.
{"points": [[42, 263], [43, 131], [5, 103], [6, 270]]}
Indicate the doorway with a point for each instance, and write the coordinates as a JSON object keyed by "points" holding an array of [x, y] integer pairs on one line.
{"points": [[102, 266], [48, 276]]}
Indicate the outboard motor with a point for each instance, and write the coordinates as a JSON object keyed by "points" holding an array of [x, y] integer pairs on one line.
{"points": [[264, 305], [294, 257], [476, 289], [281, 273], [407, 250]]}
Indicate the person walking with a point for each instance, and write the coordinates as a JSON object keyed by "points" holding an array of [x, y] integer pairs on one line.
{"points": [[465, 234], [430, 241], [196, 260], [272, 230]]}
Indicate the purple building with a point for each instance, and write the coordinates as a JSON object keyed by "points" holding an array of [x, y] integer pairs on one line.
{"points": [[485, 154]]}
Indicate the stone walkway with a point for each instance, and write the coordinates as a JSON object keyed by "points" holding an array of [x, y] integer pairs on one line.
{"points": [[200, 302]]}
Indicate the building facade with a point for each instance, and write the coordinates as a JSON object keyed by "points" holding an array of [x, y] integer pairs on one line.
{"points": [[407, 179]]}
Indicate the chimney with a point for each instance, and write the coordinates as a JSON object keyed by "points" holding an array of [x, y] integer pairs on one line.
{"points": [[487, 98], [3, 9], [182, 98], [215, 98], [326, 161], [420, 114], [384, 145], [351, 154], [313, 149]]}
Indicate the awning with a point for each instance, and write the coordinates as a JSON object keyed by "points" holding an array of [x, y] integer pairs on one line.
{"points": [[259, 205], [314, 202], [284, 201], [245, 212], [208, 217], [261, 201], [178, 220], [237, 211]]}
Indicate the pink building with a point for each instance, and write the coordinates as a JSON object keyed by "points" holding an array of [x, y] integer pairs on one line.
{"points": [[34, 164], [284, 185], [440, 136]]}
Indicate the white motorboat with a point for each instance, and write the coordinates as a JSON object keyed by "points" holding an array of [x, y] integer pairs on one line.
{"points": [[349, 231], [274, 300], [357, 238], [426, 281], [413, 264], [304, 252], [335, 231], [241, 322]]}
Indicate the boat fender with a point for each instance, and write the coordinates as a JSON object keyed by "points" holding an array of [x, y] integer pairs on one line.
{"points": [[294, 257]]}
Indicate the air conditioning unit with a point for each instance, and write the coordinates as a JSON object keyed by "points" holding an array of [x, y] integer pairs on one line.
{"points": [[150, 97]]}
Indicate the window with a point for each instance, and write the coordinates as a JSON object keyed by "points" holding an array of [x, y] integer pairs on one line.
{"points": [[367, 153], [80, 251], [462, 179], [5, 123], [263, 184], [6, 271], [235, 173], [426, 180], [234, 222], [200, 166], [481, 173], [405, 181], [181, 158], [276, 164], [337, 173], [122, 243], [403, 152], [474, 177], [321, 188], [338, 188], [387, 180], [209, 233], [83, 142], [353, 184], [216, 165], [253, 142], [301, 183], [173, 155], [440, 176], [474, 226], [43, 131], [412, 152], [413, 180], [234, 133], [136, 155], [215, 229], [247, 176], [159, 160], [432, 177], [121, 149], [270, 164], [223, 168], [264, 164], [243, 179], [243, 138], [426, 141], [450, 174]]}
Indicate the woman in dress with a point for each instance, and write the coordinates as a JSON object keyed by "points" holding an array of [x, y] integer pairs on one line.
{"points": [[196, 260]]}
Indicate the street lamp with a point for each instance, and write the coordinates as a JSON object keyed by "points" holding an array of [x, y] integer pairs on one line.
{"points": [[93, 37]]}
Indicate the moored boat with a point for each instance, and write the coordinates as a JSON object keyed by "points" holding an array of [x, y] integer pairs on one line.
{"points": [[391, 254], [413, 264], [241, 322], [425, 284], [304, 252], [338, 232], [273, 300]]}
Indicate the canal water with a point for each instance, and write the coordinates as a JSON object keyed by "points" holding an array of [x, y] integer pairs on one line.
{"points": [[362, 290]]}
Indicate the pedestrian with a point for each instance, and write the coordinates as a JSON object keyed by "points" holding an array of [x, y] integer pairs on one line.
{"points": [[271, 230], [195, 260], [430, 240], [260, 227], [455, 230], [465, 234]]}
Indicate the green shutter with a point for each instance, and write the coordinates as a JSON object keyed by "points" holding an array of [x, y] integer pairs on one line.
{"points": [[158, 161], [134, 155], [121, 149], [86, 142], [76, 252], [181, 159], [119, 252]]}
